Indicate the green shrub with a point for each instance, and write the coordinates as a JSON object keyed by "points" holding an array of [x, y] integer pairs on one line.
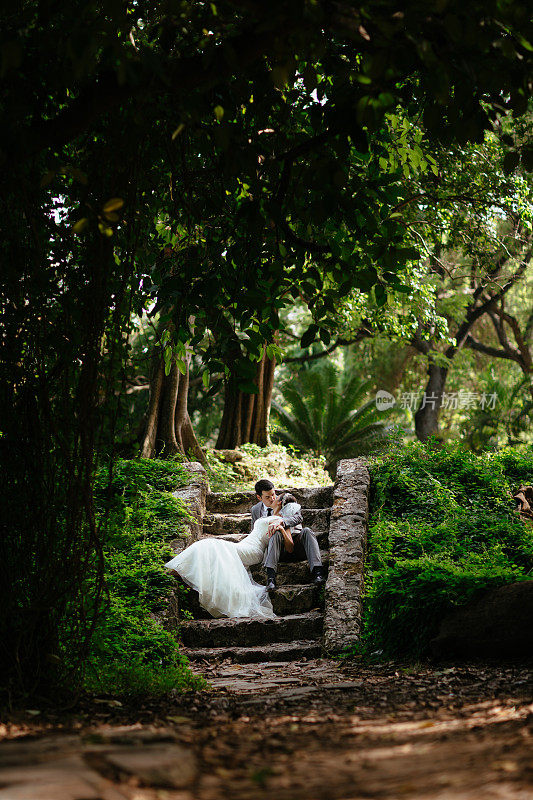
{"points": [[131, 651], [442, 530], [137, 679]]}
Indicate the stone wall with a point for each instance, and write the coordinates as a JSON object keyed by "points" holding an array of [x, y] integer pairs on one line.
{"points": [[194, 495], [347, 547]]}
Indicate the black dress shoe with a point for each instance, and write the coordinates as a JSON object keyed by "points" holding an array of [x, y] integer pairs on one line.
{"points": [[271, 585], [319, 578]]}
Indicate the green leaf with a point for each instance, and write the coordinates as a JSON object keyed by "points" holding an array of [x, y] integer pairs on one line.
{"points": [[401, 287], [80, 225], [527, 158], [524, 42], [510, 161], [106, 230], [407, 253], [114, 204], [309, 336], [205, 379], [325, 336], [274, 352], [380, 294]]}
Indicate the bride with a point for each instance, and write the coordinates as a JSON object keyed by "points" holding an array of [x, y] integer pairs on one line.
{"points": [[218, 569]]}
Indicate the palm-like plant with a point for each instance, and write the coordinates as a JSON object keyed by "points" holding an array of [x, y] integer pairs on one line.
{"points": [[325, 414]]}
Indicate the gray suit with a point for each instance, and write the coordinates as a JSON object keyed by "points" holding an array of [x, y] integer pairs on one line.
{"points": [[305, 542]]}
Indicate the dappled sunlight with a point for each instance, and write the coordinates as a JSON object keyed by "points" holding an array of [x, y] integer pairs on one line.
{"points": [[471, 716]]}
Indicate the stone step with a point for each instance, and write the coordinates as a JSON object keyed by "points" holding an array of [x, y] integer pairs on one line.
{"points": [[216, 524], [290, 573], [248, 632], [276, 651], [286, 600], [241, 502]]}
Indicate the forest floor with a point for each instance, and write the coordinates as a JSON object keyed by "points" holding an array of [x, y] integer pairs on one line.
{"points": [[319, 729]]}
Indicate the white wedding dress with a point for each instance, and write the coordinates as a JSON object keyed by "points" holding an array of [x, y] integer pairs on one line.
{"points": [[217, 569]]}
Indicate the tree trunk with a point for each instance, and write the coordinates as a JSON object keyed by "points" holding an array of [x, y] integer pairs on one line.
{"points": [[183, 429], [245, 417], [427, 416], [168, 427]]}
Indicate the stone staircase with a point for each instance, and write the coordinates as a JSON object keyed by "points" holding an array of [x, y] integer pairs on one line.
{"points": [[297, 631]]}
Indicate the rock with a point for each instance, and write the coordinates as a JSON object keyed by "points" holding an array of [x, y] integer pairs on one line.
{"points": [[229, 456], [51, 768], [279, 651], [194, 498], [166, 766], [248, 632], [290, 573], [296, 599], [63, 781], [230, 502], [497, 625], [215, 523], [242, 502], [313, 497], [179, 544], [524, 504], [198, 475], [127, 734]]}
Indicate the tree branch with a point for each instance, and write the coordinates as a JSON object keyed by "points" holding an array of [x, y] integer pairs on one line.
{"points": [[475, 313], [474, 344], [361, 334], [313, 247], [522, 348]]}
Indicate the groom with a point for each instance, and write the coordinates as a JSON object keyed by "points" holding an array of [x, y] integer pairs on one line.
{"points": [[288, 541]]}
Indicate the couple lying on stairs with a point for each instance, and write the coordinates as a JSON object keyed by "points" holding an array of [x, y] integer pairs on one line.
{"points": [[219, 570]]}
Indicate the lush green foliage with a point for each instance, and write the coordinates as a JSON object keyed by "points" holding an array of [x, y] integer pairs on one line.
{"points": [[131, 651], [442, 528], [328, 416]]}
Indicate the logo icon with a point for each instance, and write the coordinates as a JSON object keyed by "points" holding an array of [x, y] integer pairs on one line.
{"points": [[384, 400]]}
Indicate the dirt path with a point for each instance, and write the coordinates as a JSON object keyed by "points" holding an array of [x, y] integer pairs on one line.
{"points": [[304, 730]]}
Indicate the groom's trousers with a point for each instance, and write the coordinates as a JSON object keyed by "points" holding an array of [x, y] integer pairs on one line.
{"points": [[305, 547]]}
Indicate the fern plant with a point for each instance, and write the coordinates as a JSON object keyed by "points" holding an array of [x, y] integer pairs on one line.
{"points": [[326, 414]]}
